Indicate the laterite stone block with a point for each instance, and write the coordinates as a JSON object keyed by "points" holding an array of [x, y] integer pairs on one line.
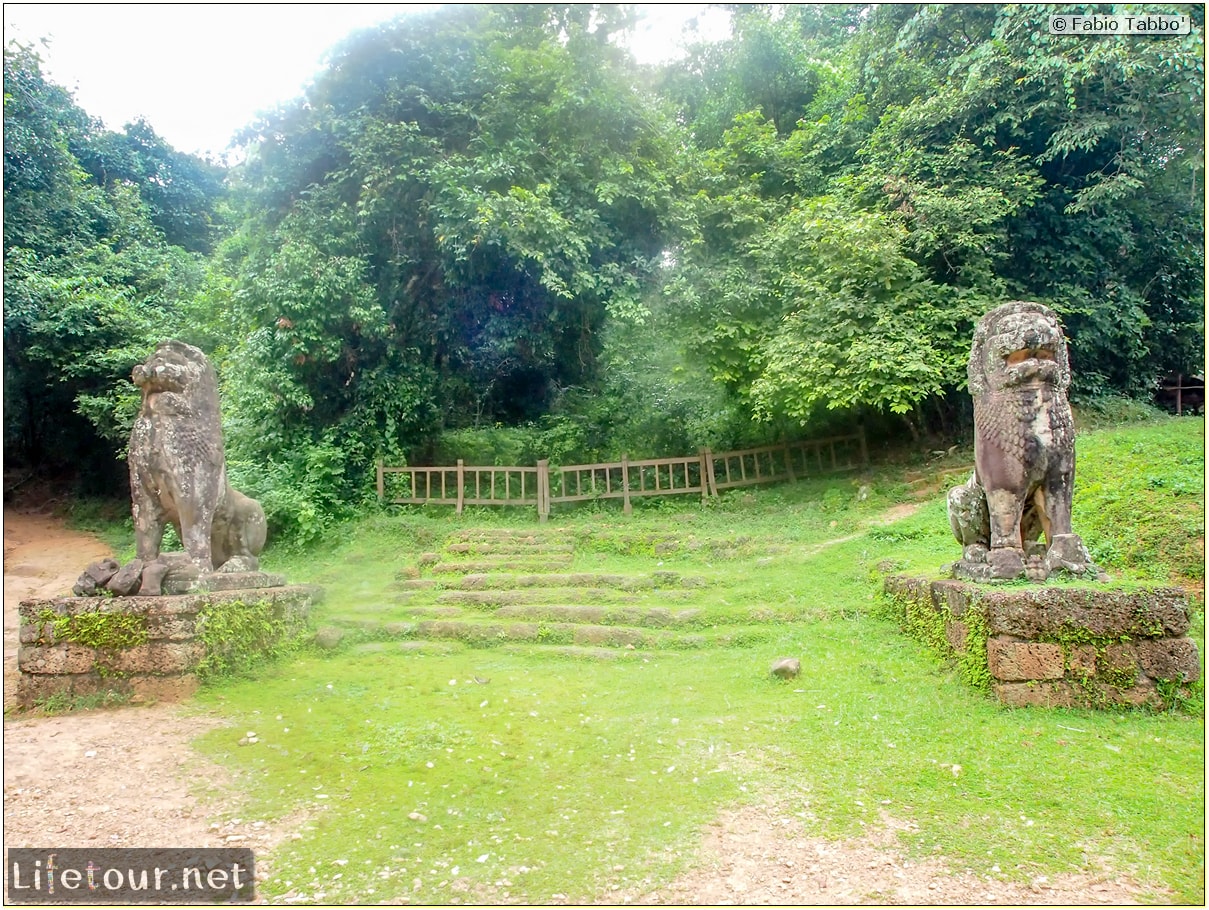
{"points": [[1017, 661], [160, 669], [1168, 658], [1039, 694], [957, 632], [1129, 640]]}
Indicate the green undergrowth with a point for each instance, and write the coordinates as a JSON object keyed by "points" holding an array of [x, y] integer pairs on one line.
{"points": [[108, 519], [65, 703], [433, 772]]}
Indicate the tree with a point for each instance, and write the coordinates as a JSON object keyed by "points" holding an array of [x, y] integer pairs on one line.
{"points": [[979, 159], [90, 284], [1046, 165], [457, 205], [182, 191]]}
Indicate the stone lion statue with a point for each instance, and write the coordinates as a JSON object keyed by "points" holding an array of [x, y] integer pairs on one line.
{"points": [[178, 473], [1024, 452]]}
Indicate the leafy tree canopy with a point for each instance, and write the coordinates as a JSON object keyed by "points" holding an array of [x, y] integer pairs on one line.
{"points": [[971, 157], [449, 215], [489, 218], [100, 262]]}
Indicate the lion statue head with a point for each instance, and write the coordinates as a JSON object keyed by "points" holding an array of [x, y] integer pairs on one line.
{"points": [[1015, 345], [177, 367]]}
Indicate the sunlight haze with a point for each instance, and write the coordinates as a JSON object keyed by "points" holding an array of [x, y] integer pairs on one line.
{"points": [[198, 73]]}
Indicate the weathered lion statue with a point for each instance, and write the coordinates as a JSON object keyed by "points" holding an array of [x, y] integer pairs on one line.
{"points": [[178, 473], [1024, 452]]}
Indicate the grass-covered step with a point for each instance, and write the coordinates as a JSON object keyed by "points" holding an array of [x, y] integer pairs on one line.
{"points": [[476, 581], [432, 612], [487, 633], [523, 609], [480, 566], [413, 584], [508, 534], [646, 617], [579, 652], [415, 646], [656, 616], [499, 597], [369, 625], [495, 548]]}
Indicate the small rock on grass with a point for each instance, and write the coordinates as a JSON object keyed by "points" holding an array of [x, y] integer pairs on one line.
{"points": [[329, 637], [786, 667]]}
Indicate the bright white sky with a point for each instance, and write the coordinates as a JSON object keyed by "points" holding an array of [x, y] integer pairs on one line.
{"points": [[200, 72]]}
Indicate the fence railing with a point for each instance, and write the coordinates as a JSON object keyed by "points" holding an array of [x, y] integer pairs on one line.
{"points": [[705, 474], [461, 486], [627, 479]]}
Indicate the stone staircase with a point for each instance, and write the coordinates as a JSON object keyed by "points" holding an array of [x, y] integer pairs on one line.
{"points": [[514, 588]]}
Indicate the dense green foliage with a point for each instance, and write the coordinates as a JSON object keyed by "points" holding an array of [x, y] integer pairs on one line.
{"points": [[105, 236], [487, 229], [944, 159]]}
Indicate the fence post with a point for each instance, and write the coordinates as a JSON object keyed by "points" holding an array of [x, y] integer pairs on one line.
{"points": [[864, 449], [543, 489], [461, 481], [709, 471], [625, 484], [701, 454], [381, 481], [789, 462]]}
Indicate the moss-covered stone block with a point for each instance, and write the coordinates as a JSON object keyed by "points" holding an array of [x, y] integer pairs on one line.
{"points": [[1055, 646], [147, 648]]}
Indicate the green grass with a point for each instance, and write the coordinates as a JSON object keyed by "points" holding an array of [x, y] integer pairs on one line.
{"points": [[569, 768], [408, 780], [1140, 498]]}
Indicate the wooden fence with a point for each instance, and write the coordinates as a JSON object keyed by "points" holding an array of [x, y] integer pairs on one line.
{"points": [[704, 474], [627, 479], [462, 486]]}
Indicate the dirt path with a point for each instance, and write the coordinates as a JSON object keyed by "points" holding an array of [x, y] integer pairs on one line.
{"points": [[122, 777], [41, 559], [127, 777]]}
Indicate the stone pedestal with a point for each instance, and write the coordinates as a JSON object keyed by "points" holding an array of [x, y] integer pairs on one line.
{"points": [[187, 580], [1056, 646], [143, 648]]}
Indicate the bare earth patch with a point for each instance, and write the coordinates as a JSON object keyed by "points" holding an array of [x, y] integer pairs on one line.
{"points": [[757, 855], [41, 559], [127, 777]]}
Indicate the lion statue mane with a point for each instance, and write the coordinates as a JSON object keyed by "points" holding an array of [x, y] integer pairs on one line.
{"points": [[178, 472], [1024, 452]]}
